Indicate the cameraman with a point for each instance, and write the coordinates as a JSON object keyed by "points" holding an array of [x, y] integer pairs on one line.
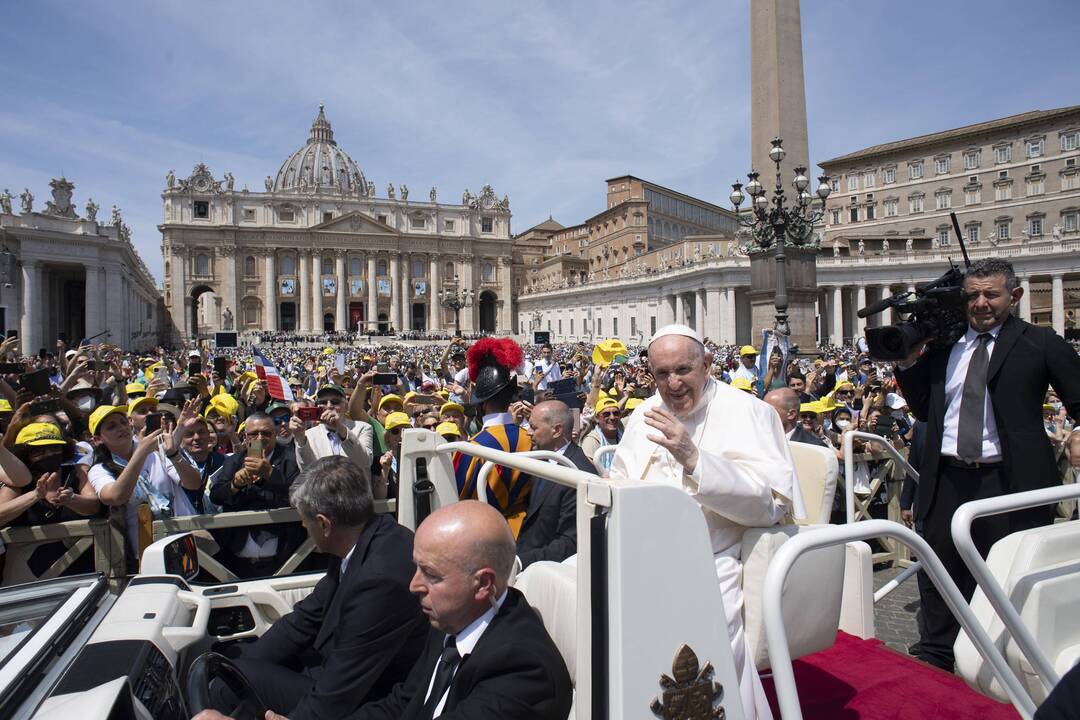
{"points": [[982, 402]]}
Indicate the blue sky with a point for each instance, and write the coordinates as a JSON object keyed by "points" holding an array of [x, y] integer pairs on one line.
{"points": [[543, 100]]}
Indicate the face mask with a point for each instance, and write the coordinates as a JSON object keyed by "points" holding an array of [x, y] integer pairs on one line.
{"points": [[49, 464], [843, 424]]}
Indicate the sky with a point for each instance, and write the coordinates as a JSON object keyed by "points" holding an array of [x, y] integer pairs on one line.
{"points": [[542, 100]]}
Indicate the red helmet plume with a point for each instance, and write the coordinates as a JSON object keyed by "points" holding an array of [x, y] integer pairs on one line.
{"points": [[503, 352]]}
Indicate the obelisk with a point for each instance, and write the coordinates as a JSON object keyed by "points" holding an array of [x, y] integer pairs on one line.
{"points": [[778, 109]]}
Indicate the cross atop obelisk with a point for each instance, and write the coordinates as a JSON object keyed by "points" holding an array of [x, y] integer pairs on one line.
{"points": [[777, 92]]}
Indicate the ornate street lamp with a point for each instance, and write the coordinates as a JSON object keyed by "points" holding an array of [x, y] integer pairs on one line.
{"points": [[780, 225], [455, 300]]}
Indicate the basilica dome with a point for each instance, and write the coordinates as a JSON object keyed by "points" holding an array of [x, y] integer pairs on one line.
{"points": [[321, 165]]}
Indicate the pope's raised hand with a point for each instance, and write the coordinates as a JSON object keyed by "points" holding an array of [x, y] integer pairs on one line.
{"points": [[673, 437]]}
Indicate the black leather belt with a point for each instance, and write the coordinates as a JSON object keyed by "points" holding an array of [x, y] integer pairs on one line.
{"points": [[965, 465]]}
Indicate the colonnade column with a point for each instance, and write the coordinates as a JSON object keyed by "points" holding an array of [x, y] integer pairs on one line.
{"points": [[303, 294], [316, 293], [371, 312], [395, 291], [31, 306], [711, 327], [341, 322], [113, 303], [1057, 303], [92, 300], [269, 319], [1025, 299], [434, 309], [860, 302], [732, 316], [836, 329], [667, 310], [699, 312]]}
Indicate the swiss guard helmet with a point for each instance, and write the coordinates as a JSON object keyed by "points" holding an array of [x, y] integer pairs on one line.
{"points": [[492, 363]]}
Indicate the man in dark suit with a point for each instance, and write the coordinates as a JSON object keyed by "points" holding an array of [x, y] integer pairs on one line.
{"points": [[549, 531], [982, 401], [786, 402], [488, 654], [360, 630]]}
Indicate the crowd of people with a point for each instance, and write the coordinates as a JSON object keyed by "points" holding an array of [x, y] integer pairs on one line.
{"points": [[194, 430]]}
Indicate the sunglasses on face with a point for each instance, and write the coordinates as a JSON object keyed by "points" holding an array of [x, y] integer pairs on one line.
{"points": [[281, 419], [808, 417], [609, 414], [259, 433], [394, 431]]}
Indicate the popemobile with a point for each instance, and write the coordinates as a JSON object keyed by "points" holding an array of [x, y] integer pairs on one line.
{"points": [[637, 614]]}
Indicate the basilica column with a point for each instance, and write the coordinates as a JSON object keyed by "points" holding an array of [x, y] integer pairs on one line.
{"points": [[303, 293], [667, 310], [31, 307], [710, 327], [113, 303], [341, 322], [395, 290], [836, 332], [468, 279], [506, 272], [316, 293], [434, 309], [732, 314], [371, 312], [92, 302], [406, 291], [269, 319], [1057, 303], [1025, 299], [860, 302], [228, 256]]}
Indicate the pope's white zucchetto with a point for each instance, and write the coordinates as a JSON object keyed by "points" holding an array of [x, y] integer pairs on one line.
{"points": [[683, 330]]}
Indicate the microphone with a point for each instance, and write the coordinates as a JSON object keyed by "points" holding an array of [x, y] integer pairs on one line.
{"points": [[875, 308]]}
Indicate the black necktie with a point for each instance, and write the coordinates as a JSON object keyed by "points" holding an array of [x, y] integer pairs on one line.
{"points": [[444, 673], [969, 431]]}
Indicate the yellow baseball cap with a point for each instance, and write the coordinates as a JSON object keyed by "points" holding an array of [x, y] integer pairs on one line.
{"points": [[135, 387], [390, 398], [139, 402], [448, 428], [410, 395], [747, 350], [225, 405], [452, 406], [101, 413], [741, 383], [606, 350], [396, 420], [40, 434], [632, 404], [5, 406], [605, 403], [811, 407]]}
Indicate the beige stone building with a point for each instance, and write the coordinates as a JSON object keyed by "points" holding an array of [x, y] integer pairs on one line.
{"points": [[319, 250], [1013, 182]]}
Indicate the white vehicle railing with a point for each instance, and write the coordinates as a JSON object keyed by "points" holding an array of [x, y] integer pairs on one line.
{"points": [[485, 470], [569, 476], [601, 452], [776, 634], [965, 546]]}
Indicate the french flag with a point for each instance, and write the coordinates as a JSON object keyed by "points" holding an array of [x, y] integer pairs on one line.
{"points": [[277, 387]]}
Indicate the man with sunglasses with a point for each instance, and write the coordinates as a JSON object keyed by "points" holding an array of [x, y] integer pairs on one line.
{"points": [[334, 434], [257, 479]]}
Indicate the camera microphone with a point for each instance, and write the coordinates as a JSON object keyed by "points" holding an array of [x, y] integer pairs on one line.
{"points": [[874, 308]]}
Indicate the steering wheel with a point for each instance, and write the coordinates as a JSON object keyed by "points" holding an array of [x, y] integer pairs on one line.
{"points": [[214, 666]]}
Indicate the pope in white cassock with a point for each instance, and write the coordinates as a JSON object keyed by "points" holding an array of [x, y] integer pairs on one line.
{"points": [[727, 450]]}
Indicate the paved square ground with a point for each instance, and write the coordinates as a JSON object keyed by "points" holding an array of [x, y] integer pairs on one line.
{"points": [[894, 615]]}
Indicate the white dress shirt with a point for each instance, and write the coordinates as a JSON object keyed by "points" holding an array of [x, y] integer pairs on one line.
{"points": [[466, 642], [955, 373], [551, 372]]}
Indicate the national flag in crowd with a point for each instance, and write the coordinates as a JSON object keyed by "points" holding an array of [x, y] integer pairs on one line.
{"points": [[772, 342], [275, 385]]}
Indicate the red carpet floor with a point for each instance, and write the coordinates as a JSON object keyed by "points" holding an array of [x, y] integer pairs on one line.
{"points": [[859, 679]]}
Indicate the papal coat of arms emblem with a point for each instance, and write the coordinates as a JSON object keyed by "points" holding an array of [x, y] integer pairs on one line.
{"points": [[690, 693]]}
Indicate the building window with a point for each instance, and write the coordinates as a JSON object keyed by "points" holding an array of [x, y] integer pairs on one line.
{"points": [[249, 266], [971, 160], [380, 267], [915, 170], [249, 213], [487, 272], [972, 196], [1036, 187], [853, 214], [870, 212], [286, 216], [1004, 230], [288, 265], [973, 234], [356, 267], [202, 264], [892, 207], [943, 200], [327, 216], [889, 175], [1002, 154], [487, 224], [448, 226], [868, 180], [383, 219], [1035, 148], [417, 268], [1035, 227], [852, 183], [1070, 181], [941, 165], [639, 219], [915, 204], [327, 266], [202, 209], [1070, 141], [836, 216], [417, 222], [1003, 191], [1070, 221], [943, 236], [834, 183], [615, 327]]}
